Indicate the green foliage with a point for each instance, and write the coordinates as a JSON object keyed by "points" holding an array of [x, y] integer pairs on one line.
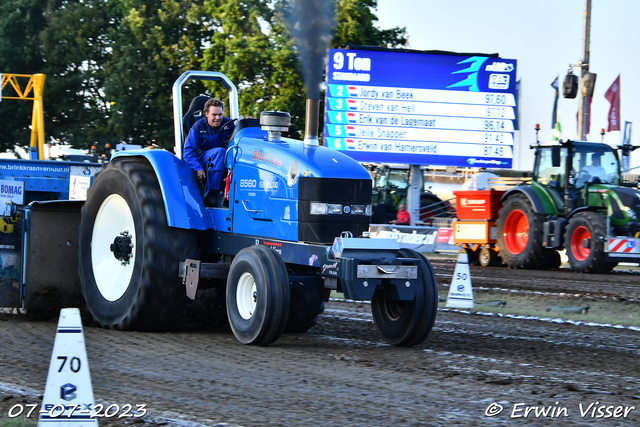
{"points": [[356, 26], [154, 42], [251, 45], [111, 64], [75, 48]]}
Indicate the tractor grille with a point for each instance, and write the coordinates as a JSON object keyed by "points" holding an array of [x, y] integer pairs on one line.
{"points": [[346, 192]]}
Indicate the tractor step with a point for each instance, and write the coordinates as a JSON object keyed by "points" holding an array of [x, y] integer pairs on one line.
{"points": [[192, 270]]}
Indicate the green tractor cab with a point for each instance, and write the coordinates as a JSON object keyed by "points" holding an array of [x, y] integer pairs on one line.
{"points": [[575, 201]]}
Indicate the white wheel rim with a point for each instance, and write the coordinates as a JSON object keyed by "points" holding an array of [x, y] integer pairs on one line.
{"points": [[114, 218], [246, 296]]}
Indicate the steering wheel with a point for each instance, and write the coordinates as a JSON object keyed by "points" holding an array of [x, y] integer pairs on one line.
{"points": [[582, 177], [229, 123]]}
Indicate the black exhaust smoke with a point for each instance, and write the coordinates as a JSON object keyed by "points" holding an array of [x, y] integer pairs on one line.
{"points": [[311, 23]]}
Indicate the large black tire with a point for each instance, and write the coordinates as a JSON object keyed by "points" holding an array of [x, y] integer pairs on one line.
{"points": [[584, 240], [520, 234], [305, 304], [408, 323], [258, 296], [140, 291]]}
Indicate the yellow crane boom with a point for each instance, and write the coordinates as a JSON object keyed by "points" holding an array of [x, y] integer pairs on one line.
{"points": [[32, 91]]}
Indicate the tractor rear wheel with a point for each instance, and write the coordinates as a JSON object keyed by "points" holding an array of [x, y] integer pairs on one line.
{"points": [[519, 234], [407, 323], [584, 239], [258, 296], [129, 256]]}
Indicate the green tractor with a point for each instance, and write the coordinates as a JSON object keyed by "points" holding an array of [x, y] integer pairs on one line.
{"points": [[575, 201], [390, 187]]}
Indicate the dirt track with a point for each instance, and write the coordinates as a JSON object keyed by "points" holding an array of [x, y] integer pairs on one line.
{"points": [[339, 374]]}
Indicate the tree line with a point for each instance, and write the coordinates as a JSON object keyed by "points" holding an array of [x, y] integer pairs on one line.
{"points": [[110, 64]]}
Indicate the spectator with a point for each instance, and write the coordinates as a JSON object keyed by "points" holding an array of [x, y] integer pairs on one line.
{"points": [[402, 218]]}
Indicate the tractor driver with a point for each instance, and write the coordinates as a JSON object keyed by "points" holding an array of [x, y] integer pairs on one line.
{"points": [[205, 148], [595, 169]]}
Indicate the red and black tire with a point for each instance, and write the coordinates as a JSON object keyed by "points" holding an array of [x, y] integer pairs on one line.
{"points": [[520, 234], [584, 240]]}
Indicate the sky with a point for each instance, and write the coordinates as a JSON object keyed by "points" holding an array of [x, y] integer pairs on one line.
{"points": [[545, 37]]}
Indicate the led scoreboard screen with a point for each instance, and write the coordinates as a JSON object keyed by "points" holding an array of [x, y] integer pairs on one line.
{"points": [[421, 109]]}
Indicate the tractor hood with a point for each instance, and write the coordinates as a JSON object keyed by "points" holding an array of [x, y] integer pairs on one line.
{"points": [[630, 198], [291, 159]]}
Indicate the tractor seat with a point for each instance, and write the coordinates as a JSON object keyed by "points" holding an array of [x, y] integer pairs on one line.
{"points": [[193, 114]]}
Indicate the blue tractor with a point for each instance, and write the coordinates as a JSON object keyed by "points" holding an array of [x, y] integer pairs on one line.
{"points": [[294, 229]]}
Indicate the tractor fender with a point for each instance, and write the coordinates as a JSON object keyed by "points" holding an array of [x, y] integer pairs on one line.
{"points": [[530, 193], [586, 209], [181, 197]]}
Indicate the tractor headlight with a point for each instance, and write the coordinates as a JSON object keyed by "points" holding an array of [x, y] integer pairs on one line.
{"points": [[318, 208], [334, 209], [630, 213], [325, 208], [357, 209]]}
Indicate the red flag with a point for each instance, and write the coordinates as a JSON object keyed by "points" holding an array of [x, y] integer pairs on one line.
{"points": [[613, 96]]}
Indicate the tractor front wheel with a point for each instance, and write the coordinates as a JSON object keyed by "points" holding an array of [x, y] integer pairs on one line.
{"points": [[258, 296], [584, 239]]}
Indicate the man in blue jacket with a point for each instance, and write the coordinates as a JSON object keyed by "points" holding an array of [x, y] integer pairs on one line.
{"points": [[205, 148]]}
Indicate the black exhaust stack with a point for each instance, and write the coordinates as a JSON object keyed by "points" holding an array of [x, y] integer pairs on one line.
{"points": [[312, 121], [311, 23]]}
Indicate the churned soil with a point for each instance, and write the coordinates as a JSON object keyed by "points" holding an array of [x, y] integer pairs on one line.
{"points": [[472, 370]]}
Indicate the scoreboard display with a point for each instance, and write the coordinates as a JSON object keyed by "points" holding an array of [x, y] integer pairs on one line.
{"points": [[421, 109]]}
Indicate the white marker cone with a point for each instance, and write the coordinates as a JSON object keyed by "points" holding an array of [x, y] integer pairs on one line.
{"points": [[68, 395], [460, 291]]}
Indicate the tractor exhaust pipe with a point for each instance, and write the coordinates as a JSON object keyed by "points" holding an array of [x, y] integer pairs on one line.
{"points": [[312, 120]]}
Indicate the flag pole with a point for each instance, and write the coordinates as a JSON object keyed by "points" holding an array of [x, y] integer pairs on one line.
{"points": [[583, 114]]}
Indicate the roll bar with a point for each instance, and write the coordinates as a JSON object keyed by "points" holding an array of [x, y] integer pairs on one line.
{"points": [[177, 100]]}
